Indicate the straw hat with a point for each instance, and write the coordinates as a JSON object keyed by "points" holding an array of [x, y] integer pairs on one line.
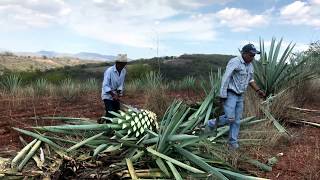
{"points": [[122, 58]]}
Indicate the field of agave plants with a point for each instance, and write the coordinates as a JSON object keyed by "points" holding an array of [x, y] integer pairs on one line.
{"points": [[159, 134]]}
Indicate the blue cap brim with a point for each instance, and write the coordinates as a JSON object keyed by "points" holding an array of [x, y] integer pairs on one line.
{"points": [[255, 52]]}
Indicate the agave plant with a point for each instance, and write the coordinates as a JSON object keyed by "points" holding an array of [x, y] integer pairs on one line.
{"points": [[153, 80], [68, 89], [41, 86], [134, 85], [90, 85], [11, 83], [275, 71], [188, 82]]}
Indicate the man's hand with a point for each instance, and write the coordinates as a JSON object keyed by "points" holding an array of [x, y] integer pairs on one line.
{"points": [[261, 93], [119, 93], [115, 96], [221, 101]]}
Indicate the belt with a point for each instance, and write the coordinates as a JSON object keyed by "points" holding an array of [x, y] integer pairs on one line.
{"points": [[232, 91]]}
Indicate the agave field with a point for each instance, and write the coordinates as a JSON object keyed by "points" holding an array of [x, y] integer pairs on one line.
{"points": [[52, 132]]}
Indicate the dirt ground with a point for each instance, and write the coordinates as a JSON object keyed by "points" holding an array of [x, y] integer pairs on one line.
{"points": [[300, 160]]}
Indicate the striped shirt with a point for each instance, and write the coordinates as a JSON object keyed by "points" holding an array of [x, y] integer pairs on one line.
{"points": [[112, 81], [237, 76]]}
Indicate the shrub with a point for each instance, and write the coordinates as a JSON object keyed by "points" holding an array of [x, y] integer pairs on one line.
{"points": [[273, 74], [40, 87], [134, 85], [11, 83], [187, 83], [68, 90], [90, 85]]}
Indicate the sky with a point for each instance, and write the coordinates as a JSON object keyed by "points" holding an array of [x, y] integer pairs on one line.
{"points": [[150, 28]]}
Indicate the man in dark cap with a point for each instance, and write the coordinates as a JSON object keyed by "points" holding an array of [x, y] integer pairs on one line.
{"points": [[237, 77]]}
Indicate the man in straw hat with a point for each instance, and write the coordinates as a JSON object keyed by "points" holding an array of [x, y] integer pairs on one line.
{"points": [[113, 85]]}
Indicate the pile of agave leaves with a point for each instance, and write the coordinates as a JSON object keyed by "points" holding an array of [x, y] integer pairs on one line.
{"points": [[177, 148]]}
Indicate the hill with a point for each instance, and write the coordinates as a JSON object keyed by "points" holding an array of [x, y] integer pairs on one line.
{"points": [[196, 65], [172, 68], [13, 62], [80, 55]]}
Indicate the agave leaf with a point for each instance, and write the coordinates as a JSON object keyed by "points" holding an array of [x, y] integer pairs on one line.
{"points": [[40, 137], [22, 153], [32, 151], [179, 137], [99, 149], [174, 171], [90, 127], [131, 169], [67, 141], [195, 159], [176, 162], [258, 164], [76, 146], [279, 127], [230, 174], [162, 166]]}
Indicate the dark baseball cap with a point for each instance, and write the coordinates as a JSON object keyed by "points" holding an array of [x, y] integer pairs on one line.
{"points": [[250, 48]]}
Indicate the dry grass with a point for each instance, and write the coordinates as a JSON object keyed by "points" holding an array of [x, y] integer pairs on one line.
{"points": [[24, 63], [251, 104], [307, 92], [157, 101]]}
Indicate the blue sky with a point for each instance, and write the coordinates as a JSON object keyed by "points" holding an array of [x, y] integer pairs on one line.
{"points": [[138, 27]]}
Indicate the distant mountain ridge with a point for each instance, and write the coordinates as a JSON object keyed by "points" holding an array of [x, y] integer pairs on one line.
{"points": [[80, 55]]}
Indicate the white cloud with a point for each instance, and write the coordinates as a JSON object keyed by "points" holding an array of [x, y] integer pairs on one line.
{"points": [[132, 23], [32, 13], [138, 23], [302, 13], [241, 19]]}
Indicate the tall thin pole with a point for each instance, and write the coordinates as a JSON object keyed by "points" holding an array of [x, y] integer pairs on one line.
{"points": [[158, 52]]}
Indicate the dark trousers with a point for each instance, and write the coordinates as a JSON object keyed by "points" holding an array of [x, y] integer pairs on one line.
{"points": [[111, 105]]}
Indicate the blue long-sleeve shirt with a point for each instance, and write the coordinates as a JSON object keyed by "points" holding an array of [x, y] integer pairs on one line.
{"points": [[237, 76], [112, 81]]}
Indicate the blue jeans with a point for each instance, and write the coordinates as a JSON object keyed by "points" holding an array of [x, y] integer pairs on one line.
{"points": [[233, 108]]}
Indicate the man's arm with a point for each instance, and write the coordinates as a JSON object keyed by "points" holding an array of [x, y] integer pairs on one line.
{"points": [[106, 82], [226, 78], [256, 88]]}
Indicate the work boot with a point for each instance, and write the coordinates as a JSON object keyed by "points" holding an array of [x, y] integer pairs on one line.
{"points": [[211, 127]]}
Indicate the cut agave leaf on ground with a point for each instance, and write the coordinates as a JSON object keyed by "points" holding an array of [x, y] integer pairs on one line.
{"points": [[230, 174], [258, 164], [162, 166], [131, 170], [32, 151], [78, 145], [99, 149], [22, 153], [40, 137], [174, 171], [176, 162], [196, 160], [279, 127], [309, 123]]}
